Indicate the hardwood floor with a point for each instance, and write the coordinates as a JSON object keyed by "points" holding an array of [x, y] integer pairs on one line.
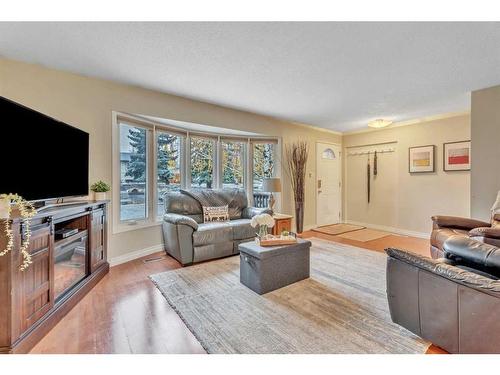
{"points": [[417, 245], [125, 313]]}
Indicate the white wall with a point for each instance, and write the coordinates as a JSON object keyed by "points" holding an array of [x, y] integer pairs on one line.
{"points": [[399, 200], [383, 186], [88, 103], [485, 123], [402, 200]]}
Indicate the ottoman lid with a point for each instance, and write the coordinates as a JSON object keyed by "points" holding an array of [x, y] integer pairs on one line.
{"points": [[260, 252]]}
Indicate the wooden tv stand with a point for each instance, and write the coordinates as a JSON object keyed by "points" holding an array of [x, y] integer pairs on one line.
{"points": [[33, 301]]}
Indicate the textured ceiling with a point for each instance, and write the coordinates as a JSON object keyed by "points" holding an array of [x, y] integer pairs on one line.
{"points": [[334, 75]]}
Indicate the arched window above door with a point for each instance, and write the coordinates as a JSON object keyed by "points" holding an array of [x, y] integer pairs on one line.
{"points": [[328, 154]]}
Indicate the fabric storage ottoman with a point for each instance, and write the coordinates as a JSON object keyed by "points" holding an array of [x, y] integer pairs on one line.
{"points": [[264, 269]]}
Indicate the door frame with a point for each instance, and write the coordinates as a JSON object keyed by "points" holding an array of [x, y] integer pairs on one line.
{"points": [[341, 179]]}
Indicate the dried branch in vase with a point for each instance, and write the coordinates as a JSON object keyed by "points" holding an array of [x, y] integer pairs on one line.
{"points": [[296, 154]]}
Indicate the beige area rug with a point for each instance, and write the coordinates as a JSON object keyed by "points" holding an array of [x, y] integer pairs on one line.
{"points": [[342, 308], [365, 235], [336, 229]]}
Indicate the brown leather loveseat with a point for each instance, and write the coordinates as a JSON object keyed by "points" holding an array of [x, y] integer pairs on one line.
{"points": [[446, 226]]}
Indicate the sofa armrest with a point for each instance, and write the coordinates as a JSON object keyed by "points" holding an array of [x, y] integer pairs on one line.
{"points": [[485, 232], [458, 222], [473, 251], [249, 212], [450, 272], [180, 220], [178, 240]]}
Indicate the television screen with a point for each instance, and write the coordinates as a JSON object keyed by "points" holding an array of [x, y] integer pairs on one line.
{"points": [[42, 158]]}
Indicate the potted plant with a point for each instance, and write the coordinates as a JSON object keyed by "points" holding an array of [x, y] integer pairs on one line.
{"points": [[26, 211], [296, 154], [100, 188]]}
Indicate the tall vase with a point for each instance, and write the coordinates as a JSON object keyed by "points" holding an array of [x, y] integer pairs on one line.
{"points": [[299, 216]]}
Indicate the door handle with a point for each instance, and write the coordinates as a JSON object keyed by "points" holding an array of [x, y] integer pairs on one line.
{"points": [[319, 184]]}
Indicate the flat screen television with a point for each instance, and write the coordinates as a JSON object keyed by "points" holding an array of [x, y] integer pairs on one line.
{"points": [[42, 158]]}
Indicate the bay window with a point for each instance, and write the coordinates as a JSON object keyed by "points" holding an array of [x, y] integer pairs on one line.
{"points": [[151, 159]]}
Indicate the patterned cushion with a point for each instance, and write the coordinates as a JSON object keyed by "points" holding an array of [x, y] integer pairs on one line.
{"points": [[219, 213]]}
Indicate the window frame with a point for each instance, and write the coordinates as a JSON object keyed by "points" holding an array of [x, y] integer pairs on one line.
{"points": [[215, 158], [148, 175], [156, 132], [153, 128], [246, 171], [277, 166]]}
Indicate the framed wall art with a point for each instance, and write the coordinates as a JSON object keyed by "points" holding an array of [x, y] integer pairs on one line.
{"points": [[456, 156], [421, 159]]}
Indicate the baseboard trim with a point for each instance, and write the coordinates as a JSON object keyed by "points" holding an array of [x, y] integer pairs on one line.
{"points": [[309, 227], [135, 254], [404, 232]]}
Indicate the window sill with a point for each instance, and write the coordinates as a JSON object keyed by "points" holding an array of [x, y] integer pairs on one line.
{"points": [[123, 227]]}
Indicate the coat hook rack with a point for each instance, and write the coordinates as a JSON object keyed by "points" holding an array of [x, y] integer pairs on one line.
{"points": [[381, 151]]}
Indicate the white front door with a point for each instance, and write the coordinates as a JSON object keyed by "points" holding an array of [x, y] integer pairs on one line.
{"points": [[328, 188]]}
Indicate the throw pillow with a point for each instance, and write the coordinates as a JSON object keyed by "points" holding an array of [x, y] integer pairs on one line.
{"points": [[219, 213]]}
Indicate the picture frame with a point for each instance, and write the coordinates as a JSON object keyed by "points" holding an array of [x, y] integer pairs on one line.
{"points": [[457, 156], [421, 159]]}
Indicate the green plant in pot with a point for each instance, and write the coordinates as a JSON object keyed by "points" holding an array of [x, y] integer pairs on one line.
{"points": [[8, 202], [100, 188]]}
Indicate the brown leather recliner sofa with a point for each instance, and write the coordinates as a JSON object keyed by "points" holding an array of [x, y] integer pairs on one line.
{"points": [[453, 301], [446, 226]]}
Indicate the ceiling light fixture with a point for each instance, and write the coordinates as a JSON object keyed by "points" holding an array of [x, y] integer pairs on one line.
{"points": [[379, 123]]}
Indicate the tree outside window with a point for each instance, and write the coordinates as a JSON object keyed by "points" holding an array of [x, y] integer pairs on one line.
{"points": [[233, 164], [167, 166], [133, 157], [202, 162], [263, 163]]}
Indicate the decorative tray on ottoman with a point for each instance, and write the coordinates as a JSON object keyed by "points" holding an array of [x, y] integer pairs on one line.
{"points": [[271, 240]]}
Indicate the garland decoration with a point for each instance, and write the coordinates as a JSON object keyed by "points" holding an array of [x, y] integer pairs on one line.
{"points": [[27, 211]]}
